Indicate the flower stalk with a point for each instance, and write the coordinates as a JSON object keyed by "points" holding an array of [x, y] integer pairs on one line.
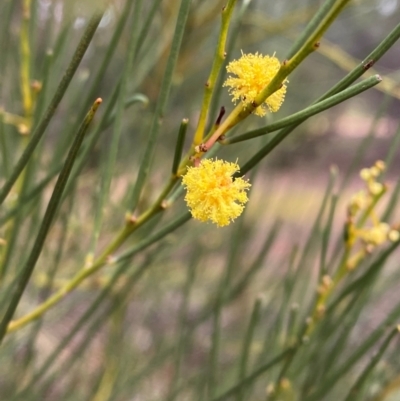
{"points": [[219, 57], [51, 210], [196, 151], [359, 239]]}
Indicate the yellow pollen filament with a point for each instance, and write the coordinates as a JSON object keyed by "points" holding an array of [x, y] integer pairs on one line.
{"points": [[253, 73], [212, 194]]}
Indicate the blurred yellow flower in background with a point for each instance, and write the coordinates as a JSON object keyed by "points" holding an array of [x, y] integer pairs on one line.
{"points": [[364, 202], [253, 73], [212, 193]]}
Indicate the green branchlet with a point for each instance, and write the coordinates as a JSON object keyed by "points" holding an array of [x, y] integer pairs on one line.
{"points": [[292, 334]]}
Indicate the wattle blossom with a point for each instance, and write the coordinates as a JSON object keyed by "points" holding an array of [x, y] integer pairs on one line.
{"points": [[364, 201], [253, 73], [212, 193]]}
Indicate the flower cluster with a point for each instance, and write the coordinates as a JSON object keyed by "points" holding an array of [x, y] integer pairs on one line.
{"points": [[363, 204], [253, 73], [213, 194]]}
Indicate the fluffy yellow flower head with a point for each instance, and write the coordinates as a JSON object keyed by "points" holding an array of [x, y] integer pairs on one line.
{"points": [[253, 73], [212, 194]]}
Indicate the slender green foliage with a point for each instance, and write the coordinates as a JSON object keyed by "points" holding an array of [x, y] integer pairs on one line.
{"points": [[47, 220], [41, 128], [111, 288]]}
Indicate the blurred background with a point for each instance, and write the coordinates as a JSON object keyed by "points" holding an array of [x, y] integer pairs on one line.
{"points": [[172, 324]]}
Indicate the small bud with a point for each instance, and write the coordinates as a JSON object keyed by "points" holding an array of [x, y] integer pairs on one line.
{"points": [[375, 188], [375, 171], [270, 389], [365, 174], [380, 165], [394, 235], [368, 64]]}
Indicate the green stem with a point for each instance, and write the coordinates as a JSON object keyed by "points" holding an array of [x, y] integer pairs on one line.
{"points": [[309, 111], [326, 234], [331, 9], [25, 47], [133, 224], [111, 48], [110, 152], [368, 369], [244, 357], [239, 113], [373, 57], [105, 257], [250, 378], [218, 62], [59, 94], [319, 308], [51, 210], [367, 213], [235, 31], [179, 221], [179, 146], [161, 104]]}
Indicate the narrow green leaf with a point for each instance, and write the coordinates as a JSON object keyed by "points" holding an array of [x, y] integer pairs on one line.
{"points": [[353, 357], [369, 275], [373, 57], [47, 221], [182, 343], [353, 392], [59, 94], [179, 145], [147, 23], [161, 104], [42, 99], [247, 341], [312, 110], [394, 147], [5, 150], [110, 152], [253, 376], [277, 139], [311, 27], [326, 236], [232, 40], [182, 219]]}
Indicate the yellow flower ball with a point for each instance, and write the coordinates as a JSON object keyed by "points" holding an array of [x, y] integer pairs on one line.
{"points": [[212, 193], [253, 73], [376, 235]]}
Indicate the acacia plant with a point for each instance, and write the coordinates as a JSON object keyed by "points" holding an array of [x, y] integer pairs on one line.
{"points": [[110, 145]]}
